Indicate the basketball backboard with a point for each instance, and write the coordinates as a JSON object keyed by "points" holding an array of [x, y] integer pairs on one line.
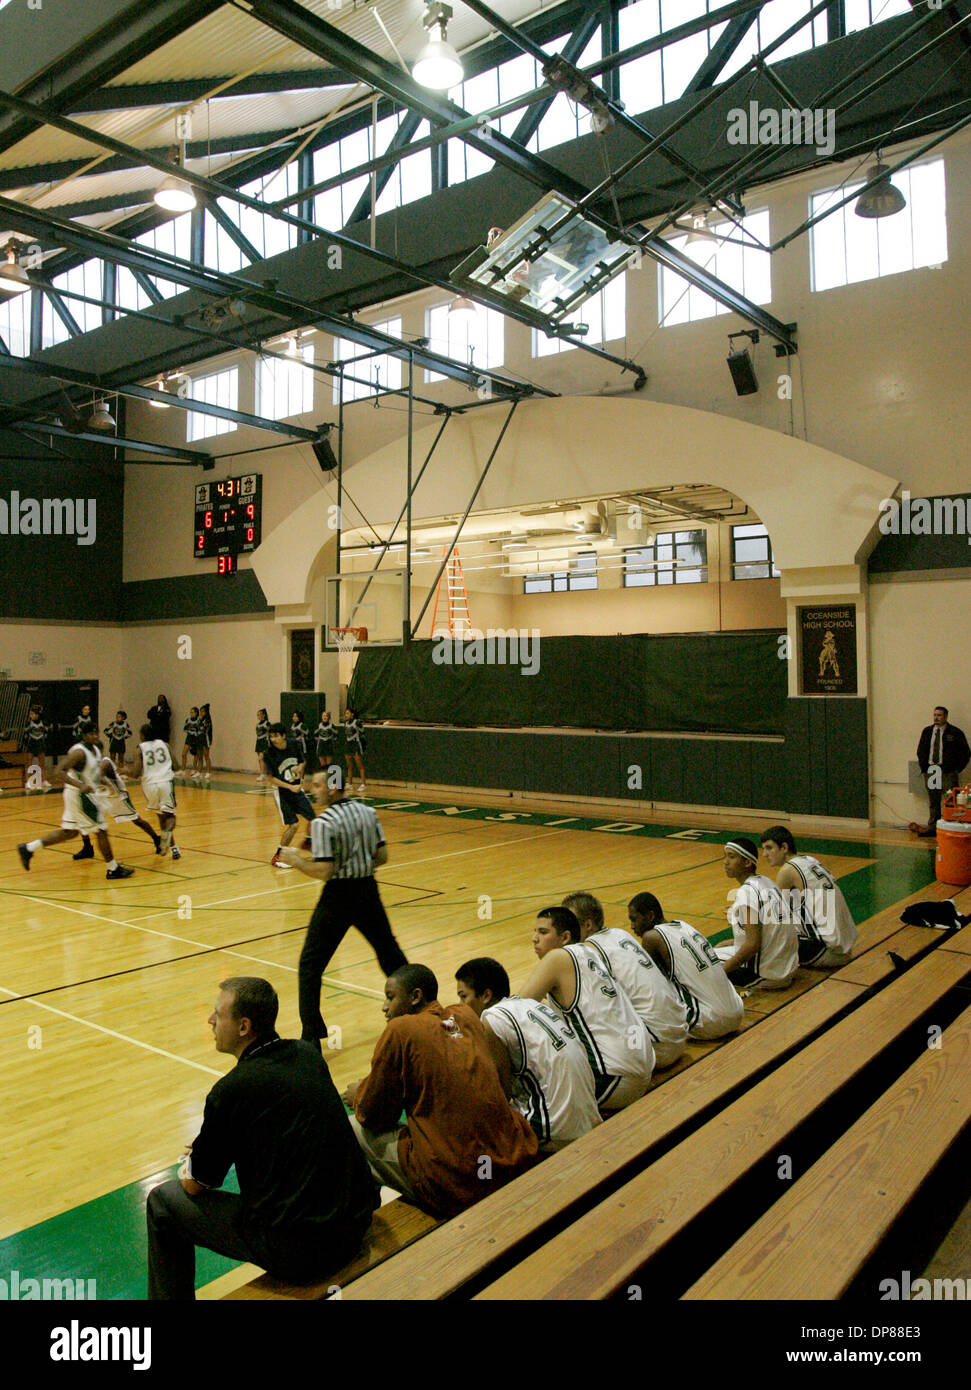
{"points": [[374, 602]]}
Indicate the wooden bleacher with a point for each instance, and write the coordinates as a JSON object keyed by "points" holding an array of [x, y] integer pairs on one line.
{"points": [[702, 1182], [517, 1227], [395, 1226], [865, 1182], [12, 778]]}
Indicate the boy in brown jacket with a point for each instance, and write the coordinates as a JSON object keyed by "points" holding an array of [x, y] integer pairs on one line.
{"points": [[462, 1138]]}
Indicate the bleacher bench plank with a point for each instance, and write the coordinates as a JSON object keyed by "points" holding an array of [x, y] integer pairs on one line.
{"points": [[799, 1248], [468, 1245], [604, 1250], [395, 1226]]}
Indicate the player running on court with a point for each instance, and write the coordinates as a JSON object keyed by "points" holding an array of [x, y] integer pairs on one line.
{"points": [[653, 995], [824, 922], [541, 1062], [617, 1044], [114, 800], [688, 959], [282, 765], [81, 814], [153, 763]]}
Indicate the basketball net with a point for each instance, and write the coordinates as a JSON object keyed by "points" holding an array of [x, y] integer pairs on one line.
{"points": [[346, 639]]}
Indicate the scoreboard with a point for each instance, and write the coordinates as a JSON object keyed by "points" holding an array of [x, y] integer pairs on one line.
{"points": [[228, 519]]}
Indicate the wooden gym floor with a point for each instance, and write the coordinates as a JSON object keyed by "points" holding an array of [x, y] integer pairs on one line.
{"points": [[105, 988]]}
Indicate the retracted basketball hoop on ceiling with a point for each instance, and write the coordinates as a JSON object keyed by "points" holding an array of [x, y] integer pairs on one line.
{"points": [[550, 261]]}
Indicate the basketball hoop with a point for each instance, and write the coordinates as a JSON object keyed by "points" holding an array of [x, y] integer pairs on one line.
{"points": [[347, 638]]}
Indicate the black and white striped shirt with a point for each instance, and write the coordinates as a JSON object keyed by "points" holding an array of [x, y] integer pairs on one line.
{"points": [[350, 833]]}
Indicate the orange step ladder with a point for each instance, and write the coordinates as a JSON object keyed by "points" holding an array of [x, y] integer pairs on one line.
{"points": [[451, 591]]}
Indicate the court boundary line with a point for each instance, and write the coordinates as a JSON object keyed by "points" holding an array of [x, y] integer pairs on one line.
{"points": [[110, 1032]]}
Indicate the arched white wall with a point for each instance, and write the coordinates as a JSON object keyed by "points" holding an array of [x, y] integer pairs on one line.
{"points": [[820, 509]]}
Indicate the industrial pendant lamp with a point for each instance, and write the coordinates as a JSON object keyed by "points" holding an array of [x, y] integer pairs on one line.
{"points": [[174, 194], [13, 277], [884, 198], [438, 66]]}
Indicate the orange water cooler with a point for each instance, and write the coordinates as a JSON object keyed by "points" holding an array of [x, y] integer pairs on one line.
{"points": [[952, 863]]}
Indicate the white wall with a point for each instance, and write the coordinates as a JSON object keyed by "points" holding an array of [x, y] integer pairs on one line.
{"points": [[921, 654]]}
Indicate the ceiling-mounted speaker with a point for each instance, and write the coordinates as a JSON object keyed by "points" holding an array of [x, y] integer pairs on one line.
{"points": [[324, 455], [743, 373]]}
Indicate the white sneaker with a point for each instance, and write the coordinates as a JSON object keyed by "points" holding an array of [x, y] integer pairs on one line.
{"points": [[205, 776], [196, 776], [362, 787], [46, 786]]}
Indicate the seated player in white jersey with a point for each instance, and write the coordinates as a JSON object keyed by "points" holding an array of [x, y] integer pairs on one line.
{"points": [[764, 948], [81, 814], [823, 920], [541, 1062], [617, 1044], [655, 998], [688, 959], [153, 763], [114, 800]]}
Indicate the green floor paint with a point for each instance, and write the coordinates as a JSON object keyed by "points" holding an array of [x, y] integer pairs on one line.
{"points": [[104, 1239]]}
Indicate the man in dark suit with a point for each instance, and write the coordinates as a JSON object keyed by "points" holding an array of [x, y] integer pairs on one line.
{"points": [[942, 754]]}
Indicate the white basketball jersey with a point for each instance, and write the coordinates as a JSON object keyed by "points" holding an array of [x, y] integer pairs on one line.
{"points": [[823, 911], [156, 761], [714, 1005], [609, 1027], [778, 957], [654, 997], [88, 774], [552, 1080]]}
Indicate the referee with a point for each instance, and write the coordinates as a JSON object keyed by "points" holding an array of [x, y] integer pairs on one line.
{"points": [[347, 844]]}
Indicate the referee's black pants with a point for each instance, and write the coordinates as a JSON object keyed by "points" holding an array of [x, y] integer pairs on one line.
{"points": [[345, 902]]}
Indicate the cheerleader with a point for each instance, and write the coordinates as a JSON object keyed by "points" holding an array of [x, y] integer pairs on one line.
{"points": [[262, 740], [83, 723], [117, 732], [326, 737], [205, 741], [34, 742], [354, 747], [297, 735]]}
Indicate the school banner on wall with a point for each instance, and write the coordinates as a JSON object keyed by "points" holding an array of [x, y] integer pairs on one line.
{"points": [[828, 646]]}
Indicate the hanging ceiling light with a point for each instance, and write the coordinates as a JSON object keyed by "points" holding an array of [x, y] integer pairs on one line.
{"points": [[101, 418], [13, 277], [462, 311], [174, 194], [438, 65], [884, 198]]}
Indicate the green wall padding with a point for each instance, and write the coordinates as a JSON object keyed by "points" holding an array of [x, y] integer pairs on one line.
{"points": [[705, 683], [819, 768]]}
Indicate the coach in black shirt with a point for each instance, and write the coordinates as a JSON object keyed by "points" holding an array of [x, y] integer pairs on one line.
{"points": [[347, 845], [306, 1195]]}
